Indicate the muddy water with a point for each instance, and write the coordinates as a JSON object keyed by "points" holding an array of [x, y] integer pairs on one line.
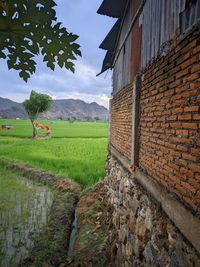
{"points": [[72, 236], [20, 223]]}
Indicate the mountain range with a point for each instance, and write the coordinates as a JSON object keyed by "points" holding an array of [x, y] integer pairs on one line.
{"points": [[64, 109]]}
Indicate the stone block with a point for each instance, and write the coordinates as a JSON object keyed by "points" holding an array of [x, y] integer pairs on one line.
{"points": [[151, 255], [133, 203], [123, 233], [148, 219]]}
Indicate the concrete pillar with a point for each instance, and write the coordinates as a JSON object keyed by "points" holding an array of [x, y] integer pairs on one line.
{"points": [[135, 121]]}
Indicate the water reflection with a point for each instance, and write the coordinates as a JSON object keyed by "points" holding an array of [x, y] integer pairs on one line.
{"points": [[19, 224]]}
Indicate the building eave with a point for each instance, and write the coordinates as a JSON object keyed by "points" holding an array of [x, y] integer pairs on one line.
{"points": [[112, 8]]}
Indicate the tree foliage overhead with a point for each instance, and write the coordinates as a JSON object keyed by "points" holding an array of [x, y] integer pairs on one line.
{"points": [[30, 27], [37, 104]]}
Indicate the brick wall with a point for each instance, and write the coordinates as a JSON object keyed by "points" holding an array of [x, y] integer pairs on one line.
{"points": [[170, 122], [121, 121]]}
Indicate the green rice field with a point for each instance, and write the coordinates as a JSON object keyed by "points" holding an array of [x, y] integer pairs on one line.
{"points": [[77, 150], [60, 129], [24, 211]]}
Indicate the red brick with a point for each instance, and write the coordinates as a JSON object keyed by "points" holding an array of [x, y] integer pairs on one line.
{"points": [[189, 201], [185, 117], [176, 125], [195, 68], [197, 197], [174, 166], [191, 109], [182, 148], [182, 190], [194, 167], [174, 178], [169, 169], [197, 176], [196, 50], [195, 85], [177, 110], [172, 118], [196, 116], [186, 171], [190, 157], [189, 187], [194, 182], [189, 46], [191, 77], [183, 58], [189, 62], [167, 144], [195, 151], [190, 126], [182, 88], [182, 132]]}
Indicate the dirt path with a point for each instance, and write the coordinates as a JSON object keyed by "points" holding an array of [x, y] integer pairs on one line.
{"points": [[92, 246]]}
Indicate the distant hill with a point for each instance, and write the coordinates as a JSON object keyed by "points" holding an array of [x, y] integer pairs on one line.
{"points": [[11, 109], [61, 109]]}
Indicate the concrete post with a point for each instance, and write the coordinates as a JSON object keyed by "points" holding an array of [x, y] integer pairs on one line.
{"points": [[135, 121]]}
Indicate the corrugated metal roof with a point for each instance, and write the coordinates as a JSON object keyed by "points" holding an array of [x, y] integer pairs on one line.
{"points": [[112, 8], [107, 63], [109, 42]]}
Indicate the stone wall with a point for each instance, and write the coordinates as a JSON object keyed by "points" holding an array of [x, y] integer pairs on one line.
{"points": [[144, 235]]}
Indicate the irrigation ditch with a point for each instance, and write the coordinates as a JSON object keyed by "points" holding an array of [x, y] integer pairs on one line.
{"points": [[78, 231], [53, 245]]}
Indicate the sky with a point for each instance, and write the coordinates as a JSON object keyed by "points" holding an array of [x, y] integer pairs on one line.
{"points": [[79, 17]]}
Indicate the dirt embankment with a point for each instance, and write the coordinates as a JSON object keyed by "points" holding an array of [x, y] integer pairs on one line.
{"points": [[51, 246], [93, 244], [57, 182]]}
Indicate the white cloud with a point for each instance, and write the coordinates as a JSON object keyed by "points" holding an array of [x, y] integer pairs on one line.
{"points": [[101, 99], [64, 84]]}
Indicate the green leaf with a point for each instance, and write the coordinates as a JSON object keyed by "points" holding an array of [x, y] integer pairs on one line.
{"points": [[28, 29], [24, 75], [2, 55]]}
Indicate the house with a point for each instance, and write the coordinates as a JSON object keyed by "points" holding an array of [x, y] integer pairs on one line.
{"points": [[153, 170]]}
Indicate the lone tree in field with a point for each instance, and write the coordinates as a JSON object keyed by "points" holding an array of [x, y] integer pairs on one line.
{"points": [[35, 105], [30, 27]]}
